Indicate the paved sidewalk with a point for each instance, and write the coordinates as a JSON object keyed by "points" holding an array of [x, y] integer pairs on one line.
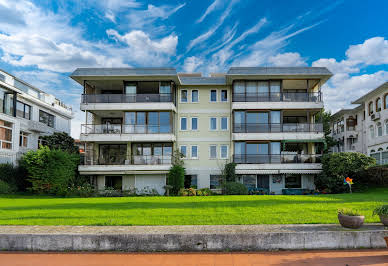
{"points": [[286, 258]]}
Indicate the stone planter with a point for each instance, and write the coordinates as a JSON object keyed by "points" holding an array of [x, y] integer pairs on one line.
{"points": [[384, 219], [353, 222]]}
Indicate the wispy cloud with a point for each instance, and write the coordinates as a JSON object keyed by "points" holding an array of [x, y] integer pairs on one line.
{"points": [[209, 10]]}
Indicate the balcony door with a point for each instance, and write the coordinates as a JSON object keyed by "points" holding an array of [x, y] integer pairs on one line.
{"points": [[151, 153], [257, 122], [257, 152], [112, 154]]}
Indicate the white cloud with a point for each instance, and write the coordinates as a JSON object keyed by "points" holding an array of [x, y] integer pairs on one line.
{"points": [[209, 10], [287, 59], [192, 63], [373, 51]]}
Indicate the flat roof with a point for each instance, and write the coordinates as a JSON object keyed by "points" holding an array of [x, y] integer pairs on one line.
{"points": [[279, 71]]}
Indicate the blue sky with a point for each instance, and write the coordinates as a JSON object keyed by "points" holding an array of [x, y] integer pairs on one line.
{"points": [[43, 41]]}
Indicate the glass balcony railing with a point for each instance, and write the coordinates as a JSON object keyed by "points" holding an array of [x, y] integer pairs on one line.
{"points": [[273, 128], [276, 158], [127, 98], [125, 129], [111, 159], [278, 97]]}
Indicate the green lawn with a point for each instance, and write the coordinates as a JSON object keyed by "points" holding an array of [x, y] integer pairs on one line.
{"points": [[44, 210]]}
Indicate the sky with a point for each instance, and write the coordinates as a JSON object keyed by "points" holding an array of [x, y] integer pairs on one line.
{"points": [[44, 41]]}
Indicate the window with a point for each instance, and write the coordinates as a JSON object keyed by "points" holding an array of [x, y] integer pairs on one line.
{"points": [[378, 104], [5, 135], [23, 139], [215, 182], [370, 108], [151, 153], [46, 118], [183, 123], [190, 181], [194, 96], [145, 122], [213, 95], [224, 151], [224, 95], [23, 110], [194, 152], [293, 181], [213, 151], [379, 129], [112, 154], [194, 123], [386, 101], [372, 132], [386, 127], [183, 96], [224, 123], [213, 123], [183, 150]]}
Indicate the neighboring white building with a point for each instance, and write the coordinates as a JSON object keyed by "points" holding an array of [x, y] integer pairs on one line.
{"points": [[370, 133], [27, 113], [263, 119]]}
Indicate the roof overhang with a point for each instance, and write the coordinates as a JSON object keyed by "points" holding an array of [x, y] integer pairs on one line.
{"points": [[372, 93], [129, 74]]}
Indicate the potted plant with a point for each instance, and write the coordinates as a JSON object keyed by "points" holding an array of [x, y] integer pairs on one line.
{"points": [[349, 218], [382, 211]]}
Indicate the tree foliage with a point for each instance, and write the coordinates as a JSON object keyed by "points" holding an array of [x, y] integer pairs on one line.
{"points": [[61, 141], [14, 176], [176, 177], [337, 166], [50, 171], [324, 118]]}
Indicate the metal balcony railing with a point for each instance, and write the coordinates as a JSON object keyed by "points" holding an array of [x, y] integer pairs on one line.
{"points": [[125, 129], [127, 98], [276, 158], [273, 127], [278, 97]]}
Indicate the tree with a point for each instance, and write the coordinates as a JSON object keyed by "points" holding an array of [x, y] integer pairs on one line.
{"points": [[62, 141], [176, 174], [325, 117], [337, 166], [50, 171]]}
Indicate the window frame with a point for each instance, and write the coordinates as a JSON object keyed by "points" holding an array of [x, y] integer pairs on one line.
{"points": [[227, 151], [378, 101], [24, 110], [227, 123], [227, 98], [191, 152], [48, 115], [216, 91], [181, 94], [210, 151], [180, 151], [23, 139], [370, 108], [191, 95], [379, 127], [191, 123], [210, 124], [180, 123]]}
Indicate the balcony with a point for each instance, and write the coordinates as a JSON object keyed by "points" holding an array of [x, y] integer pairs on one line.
{"points": [[271, 128], [128, 160], [127, 98], [129, 133], [278, 97], [276, 158]]}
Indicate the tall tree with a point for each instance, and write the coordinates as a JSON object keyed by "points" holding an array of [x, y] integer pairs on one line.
{"points": [[60, 141], [324, 117]]}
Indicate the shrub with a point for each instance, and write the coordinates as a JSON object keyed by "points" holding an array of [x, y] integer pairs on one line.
{"points": [[204, 192], [234, 188], [382, 210], [60, 141], [337, 166], [15, 176], [5, 188], [230, 172], [176, 177], [348, 212], [50, 171], [84, 191]]}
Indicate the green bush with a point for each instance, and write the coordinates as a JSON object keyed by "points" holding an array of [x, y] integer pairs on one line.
{"points": [[50, 171], [15, 176], [337, 166], [176, 177], [187, 192], [60, 141], [5, 188], [382, 210], [349, 212], [204, 192], [230, 172], [234, 188]]}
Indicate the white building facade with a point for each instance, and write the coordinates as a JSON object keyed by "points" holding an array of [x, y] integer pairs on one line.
{"points": [[262, 119], [26, 114], [364, 128]]}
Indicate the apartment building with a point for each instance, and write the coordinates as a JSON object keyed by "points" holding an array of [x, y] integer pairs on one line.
{"points": [[26, 114], [263, 119]]}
